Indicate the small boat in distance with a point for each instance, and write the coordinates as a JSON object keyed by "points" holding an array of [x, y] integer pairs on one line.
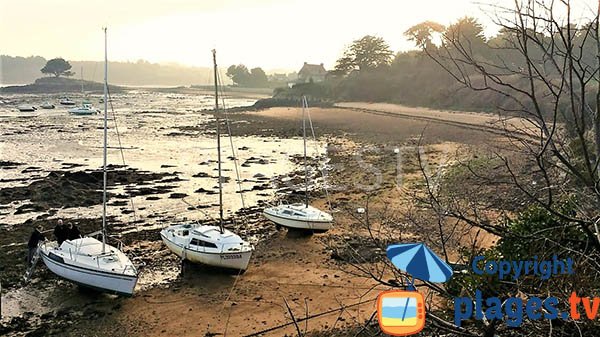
{"points": [[85, 109], [301, 215], [47, 105], [66, 101], [26, 108], [88, 261], [210, 245]]}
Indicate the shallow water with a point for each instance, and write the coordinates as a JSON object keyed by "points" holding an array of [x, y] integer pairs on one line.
{"points": [[159, 133]]}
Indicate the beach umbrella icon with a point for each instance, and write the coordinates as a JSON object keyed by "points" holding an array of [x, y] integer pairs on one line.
{"points": [[419, 261]]}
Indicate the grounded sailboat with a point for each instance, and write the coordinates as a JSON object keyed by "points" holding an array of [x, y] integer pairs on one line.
{"points": [[88, 261], [26, 108], [86, 107], [210, 245], [66, 101], [47, 105], [300, 215]]}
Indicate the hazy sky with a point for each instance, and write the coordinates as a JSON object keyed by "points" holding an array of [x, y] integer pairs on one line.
{"points": [[268, 33]]}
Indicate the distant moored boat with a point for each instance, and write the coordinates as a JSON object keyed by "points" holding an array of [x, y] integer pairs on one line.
{"points": [[26, 108], [85, 109], [66, 101], [47, 105]]}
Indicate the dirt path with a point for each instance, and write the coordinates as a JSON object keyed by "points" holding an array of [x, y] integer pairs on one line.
{"points": [[518, 127]]}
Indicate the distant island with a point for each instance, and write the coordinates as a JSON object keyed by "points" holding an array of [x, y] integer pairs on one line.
{"points": [[58, 85]]}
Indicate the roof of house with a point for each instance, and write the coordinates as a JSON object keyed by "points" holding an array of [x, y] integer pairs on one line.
{"points": [[312, 69]]}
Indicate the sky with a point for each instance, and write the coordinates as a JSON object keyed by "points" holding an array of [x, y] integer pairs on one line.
{"points": [[272, 34]]}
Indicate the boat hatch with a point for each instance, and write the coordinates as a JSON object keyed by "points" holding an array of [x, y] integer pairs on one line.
{"points": [[112, 258]]}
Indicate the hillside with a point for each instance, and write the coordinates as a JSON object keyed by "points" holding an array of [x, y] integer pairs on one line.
{"points": [[21, 70]]}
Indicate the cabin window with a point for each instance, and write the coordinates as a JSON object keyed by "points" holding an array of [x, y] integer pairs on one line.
{"points": [[286, 212], [201, 243], [208, 244]]}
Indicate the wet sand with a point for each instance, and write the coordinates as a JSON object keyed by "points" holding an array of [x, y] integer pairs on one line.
{"points": [[305, 271]]}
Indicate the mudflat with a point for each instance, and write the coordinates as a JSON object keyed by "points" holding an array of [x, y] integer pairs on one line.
{"points": [[169, 159]]}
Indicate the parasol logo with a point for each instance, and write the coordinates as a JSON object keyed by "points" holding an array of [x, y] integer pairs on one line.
{"points": [[402, 312]]}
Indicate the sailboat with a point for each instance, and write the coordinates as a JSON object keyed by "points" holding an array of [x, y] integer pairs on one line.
{"points": [[66, 101], [26, 108], [86, 107], [210, 245], [88, 261], [47, 105], [300, 215]]}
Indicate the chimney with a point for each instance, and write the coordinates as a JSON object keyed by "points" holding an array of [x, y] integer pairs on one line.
{"points": [[321, 64], [305, 63]]}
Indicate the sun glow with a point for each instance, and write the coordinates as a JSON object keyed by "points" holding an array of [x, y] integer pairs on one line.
{"points": [[267, 33]]}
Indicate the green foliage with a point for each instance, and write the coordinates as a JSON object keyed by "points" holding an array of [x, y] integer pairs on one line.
{"points": [[240, 75], [368, 72], [527, 233], [467, 29], [421, 34], [315, 91], [534, 232], [57, 67], [465, 284], [366, 53], [258, 78]]}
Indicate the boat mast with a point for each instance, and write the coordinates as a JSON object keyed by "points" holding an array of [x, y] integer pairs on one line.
{"points": [[105, 143], [214, 52], [304, 104], [81, 73]]}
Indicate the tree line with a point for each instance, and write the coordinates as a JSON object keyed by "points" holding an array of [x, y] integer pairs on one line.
{"points": [[370, 71]]}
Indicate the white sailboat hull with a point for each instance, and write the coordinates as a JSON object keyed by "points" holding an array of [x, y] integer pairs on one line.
{"points": [[320, 226], [299, 216], [226, 260], [81, 261], [83, 112], [111, 283]]}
